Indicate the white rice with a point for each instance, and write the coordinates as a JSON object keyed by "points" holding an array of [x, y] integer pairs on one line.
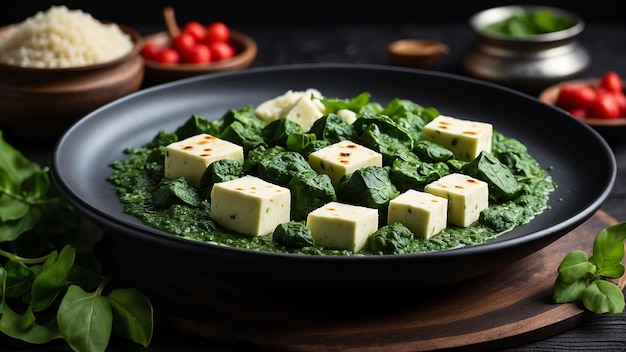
{"points": [[62, 38]]}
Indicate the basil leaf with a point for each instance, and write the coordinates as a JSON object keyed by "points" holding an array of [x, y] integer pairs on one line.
{"points": [[568, 292], [10, 230], [52, 279], [608, 250], [575, 266], [602, 296], [85, 320], [132, 315]]}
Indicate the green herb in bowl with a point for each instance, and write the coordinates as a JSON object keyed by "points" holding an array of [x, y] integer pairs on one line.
{"points": [[524, 23]]}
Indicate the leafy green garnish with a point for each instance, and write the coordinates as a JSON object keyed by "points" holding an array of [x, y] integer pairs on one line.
{"points": [[525, 23], [588, 279], [50, 281]]}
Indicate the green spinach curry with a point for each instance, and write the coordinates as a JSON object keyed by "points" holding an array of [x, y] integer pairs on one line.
{"points": [[276, 150]]}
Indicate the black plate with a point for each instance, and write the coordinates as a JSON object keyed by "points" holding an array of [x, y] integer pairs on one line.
{"points": [[582, 165]]}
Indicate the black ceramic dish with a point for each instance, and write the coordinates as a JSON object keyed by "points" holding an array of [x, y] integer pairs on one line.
{"points": [[177, 272]]}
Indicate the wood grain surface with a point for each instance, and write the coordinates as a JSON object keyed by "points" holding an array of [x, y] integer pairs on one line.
{"points": [[510, 307]]}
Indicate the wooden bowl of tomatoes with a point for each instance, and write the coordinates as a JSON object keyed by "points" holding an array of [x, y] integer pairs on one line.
{"points": [[599, 102], [195, 49]]}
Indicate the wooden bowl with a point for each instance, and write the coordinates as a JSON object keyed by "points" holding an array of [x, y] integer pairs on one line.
{"points": [[156, 72], [607, 127], [38, 104], [417, 53]]}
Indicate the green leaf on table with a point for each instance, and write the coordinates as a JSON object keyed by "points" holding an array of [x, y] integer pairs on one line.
{"points": [[23, 327], [608, 251], [12, 229], [19, 279], [17, 166], [85, 320], [132, 315], [52, 278], [36, 185], [11, 204], [603, 296], [575, 266], [568, 292]]}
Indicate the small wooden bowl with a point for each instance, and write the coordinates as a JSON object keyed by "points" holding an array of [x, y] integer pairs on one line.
{"points": [[607, 127], [156, 72], [37, 105], [417, 53]]}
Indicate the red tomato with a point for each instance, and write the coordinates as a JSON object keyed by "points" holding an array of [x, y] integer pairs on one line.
{"points": [[150, 51], [168, 56], [217, 32], [195, 28], [620, 98], [575, 96], [199, 54], [221, 51], [183, 43], [605, 106], [611, 81], [578, 112]]}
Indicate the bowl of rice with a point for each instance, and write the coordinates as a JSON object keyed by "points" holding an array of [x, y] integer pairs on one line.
{"points": [[59, 65]]}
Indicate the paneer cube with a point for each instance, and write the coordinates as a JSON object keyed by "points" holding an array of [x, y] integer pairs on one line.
{"points": [[250, 205], [348, 115], [305, 112], [342, 226], [275, 108], [343, 158], [466, 139], [467, 197], [191, 156], [423, 213]]}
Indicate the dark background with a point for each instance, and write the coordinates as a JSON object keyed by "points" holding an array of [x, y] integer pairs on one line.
{"points": [[141, 12]]}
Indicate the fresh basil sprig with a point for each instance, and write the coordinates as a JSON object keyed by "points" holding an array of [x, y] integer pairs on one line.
{"points": [[588, 279], [50, 282]]}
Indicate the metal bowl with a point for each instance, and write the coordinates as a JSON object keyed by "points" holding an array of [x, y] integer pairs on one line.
{"points": [[528, 63]]}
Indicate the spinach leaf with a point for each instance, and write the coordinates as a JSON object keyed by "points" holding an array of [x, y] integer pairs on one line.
{"points": [[53, 253]]}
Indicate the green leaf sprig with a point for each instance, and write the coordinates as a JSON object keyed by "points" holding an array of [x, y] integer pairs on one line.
{"points": [[50, 282], [588, 279]]}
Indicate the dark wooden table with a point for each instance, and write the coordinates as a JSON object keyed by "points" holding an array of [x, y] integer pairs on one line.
{"points": [[365, 43]]}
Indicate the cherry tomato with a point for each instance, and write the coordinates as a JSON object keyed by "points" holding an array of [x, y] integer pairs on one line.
{"points": [[620, 98], [578, 112], [221, 51], [168, 56], [150, 51], [575, 96], [605, 106], [195, 28], [199, 54], [183, 43], [217, 32], [611, 81]]}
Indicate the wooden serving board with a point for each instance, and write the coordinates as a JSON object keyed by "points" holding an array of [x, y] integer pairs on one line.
{"points": [[510, 307]]}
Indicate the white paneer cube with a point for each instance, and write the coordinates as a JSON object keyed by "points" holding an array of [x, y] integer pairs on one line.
{"points": [[250, 205], [348, 115], [467, 197], [191, 156], [342, 226], [466, 139], [423, 213], [273, 109], [343, 158], [305, 112]]}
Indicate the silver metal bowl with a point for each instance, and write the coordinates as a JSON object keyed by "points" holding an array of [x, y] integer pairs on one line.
{"points": [[528, 63]]}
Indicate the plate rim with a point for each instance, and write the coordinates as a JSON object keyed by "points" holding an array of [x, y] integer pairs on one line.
{"points": [[164, 237]]}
